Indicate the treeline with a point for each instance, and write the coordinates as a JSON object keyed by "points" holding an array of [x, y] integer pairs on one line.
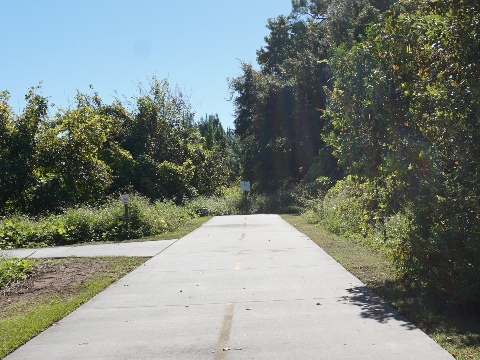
{"points": [[149, 145], [363, 114], [369, 111]]}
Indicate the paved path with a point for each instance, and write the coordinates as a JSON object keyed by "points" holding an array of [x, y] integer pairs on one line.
{"points": [[144, 248], [239, 287]]}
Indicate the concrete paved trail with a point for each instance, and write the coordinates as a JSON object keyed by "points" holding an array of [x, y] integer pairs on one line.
{"points": [[142, 248], [239, 287]]}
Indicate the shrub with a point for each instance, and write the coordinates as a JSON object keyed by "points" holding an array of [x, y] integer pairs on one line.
{"points": [[231, 201], [228, 202], [355, 208], [432, 240], [279, 202], [13, 269], [86, 224]]}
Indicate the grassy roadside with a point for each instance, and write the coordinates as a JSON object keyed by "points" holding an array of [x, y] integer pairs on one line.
{"points": [[22, 321], [457, 333]]}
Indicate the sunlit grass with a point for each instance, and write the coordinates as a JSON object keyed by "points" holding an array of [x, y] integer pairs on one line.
{"points": [[21, 322], [455, 332]]}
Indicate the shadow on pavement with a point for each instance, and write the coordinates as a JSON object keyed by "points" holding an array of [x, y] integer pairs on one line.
{"points": [[373, 307]]}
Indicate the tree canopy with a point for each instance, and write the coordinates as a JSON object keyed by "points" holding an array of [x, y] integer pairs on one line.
{"points": [[149, 145], [374, 104], [384, 94]]}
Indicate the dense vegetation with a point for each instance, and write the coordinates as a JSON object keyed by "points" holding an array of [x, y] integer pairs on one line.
{"points": [[88, 224], [370, 111], [363, 114], [148, 145]]}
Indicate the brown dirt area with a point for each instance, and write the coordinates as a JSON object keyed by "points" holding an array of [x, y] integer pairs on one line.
{"points": [[51, 276]]}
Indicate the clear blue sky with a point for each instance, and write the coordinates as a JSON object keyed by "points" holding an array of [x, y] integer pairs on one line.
{"points": [[113, 45]]}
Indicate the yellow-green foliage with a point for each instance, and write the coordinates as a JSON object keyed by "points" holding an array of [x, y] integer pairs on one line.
{"points": [[355, 208], [13, 270], [86, 224]]}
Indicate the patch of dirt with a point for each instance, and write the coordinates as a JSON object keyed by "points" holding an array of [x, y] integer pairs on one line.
{"points": [[51, 276]]}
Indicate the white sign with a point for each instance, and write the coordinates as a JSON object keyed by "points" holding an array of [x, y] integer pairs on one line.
{"points": [[125, 199], [245, 185]]}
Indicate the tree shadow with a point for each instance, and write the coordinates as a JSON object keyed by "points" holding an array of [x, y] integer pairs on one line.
{"points": [[416, 305], [373, 307]]}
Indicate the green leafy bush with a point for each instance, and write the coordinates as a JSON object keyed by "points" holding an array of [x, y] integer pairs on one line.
{"points": [[430, 248], [88, 224], [355, 208], [13, 269], [281, 201], [229, 202]]}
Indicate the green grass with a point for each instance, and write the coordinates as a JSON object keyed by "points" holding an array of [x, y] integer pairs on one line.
{"points": [[185, 229], [23, 321], [457, 333]]}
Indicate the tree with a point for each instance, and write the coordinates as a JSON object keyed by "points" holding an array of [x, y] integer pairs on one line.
{"points": [[6, 133], [212, 130], [247, 88], [85, 153], [405, 109], [18, 148], [340, 21], [162, 139], [69, 165]]}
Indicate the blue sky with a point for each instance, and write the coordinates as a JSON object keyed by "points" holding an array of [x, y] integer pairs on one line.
{"points": [[114, 45]]}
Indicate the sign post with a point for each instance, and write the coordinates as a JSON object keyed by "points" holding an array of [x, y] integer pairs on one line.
{"points": [[126, 201], [245, 187]]}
